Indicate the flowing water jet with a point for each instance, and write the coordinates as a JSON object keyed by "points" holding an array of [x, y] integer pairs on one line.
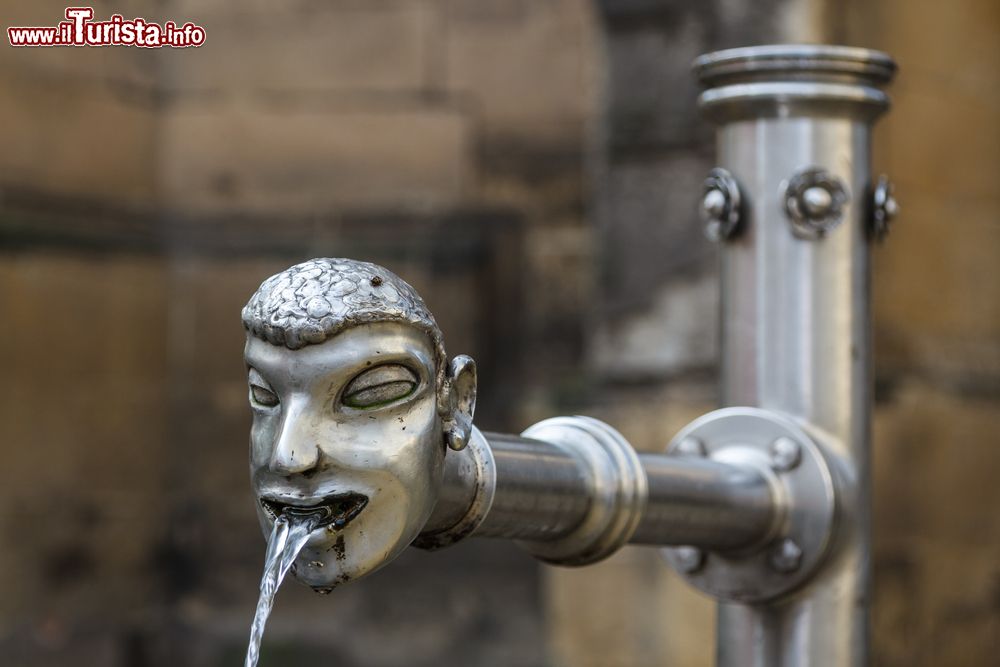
{"points": [[290, 533]]}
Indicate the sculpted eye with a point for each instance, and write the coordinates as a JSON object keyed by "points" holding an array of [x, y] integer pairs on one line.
{"points": [[260, 391], [263, 396], [379, 386]]}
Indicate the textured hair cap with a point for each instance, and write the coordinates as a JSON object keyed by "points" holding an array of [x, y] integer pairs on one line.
{"points": [[310, 302]]}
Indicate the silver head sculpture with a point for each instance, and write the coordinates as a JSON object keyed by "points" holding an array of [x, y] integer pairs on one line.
{"points": [[354, 403]]}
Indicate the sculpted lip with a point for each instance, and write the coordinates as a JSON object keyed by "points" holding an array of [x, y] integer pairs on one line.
{"points": [[335, 510]]}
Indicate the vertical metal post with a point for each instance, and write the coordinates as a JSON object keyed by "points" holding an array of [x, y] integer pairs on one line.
{"points": [[794, 125]]}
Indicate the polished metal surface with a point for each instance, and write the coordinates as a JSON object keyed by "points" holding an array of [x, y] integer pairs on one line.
{"points": [[540, 491], [796, 321], [545, 492], [789, 81], [360, 415], [793, 545], [616, 489], [465, 497], [703, 502], [354, 405], [796, 62]]}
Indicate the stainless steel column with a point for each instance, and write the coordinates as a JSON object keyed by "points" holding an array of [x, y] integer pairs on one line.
{"points": [[795, 309]]}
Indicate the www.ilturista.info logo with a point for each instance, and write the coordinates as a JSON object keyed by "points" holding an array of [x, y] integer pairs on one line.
{"points": [[80, 30]]}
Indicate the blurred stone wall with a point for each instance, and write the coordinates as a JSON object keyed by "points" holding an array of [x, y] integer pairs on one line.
{"points": [[531, 167], [937, 336], [145, 194]]}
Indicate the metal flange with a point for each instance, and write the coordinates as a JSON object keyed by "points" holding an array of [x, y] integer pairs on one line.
{"points": [[618, 490], [804, 497], [474, 462]]}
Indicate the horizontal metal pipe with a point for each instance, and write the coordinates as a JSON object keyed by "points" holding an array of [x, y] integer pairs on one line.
{"points": [[704, 503], [543, 492]]}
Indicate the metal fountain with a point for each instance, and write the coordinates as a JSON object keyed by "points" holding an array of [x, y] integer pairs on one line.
{"points": [[362, 422]]}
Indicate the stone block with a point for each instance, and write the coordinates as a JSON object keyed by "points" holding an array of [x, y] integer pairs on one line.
{"points": [[648, 414], [302, 49], [294, 160], [934, 604], [558, 256], [942, 140], [82, 315], [935, 467], [75, 136], [677, 333], [935, 309], [530, 69], [650, 229], [82, 416], [955, 49], [651, 90]]}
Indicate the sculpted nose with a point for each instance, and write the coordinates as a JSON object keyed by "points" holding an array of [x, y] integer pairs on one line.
{"points": [[294, 450]]}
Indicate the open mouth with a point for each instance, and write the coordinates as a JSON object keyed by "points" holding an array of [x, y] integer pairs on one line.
{"points": [[335, 510]]}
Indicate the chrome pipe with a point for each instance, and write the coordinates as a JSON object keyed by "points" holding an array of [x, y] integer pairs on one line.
{"points": [[706, 504], [544, 492], [794, 135]]}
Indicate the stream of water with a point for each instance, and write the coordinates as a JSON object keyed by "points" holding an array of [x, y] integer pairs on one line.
{"points": [[287, 539]]}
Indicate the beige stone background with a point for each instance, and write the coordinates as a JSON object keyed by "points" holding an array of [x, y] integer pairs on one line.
{"points": [[530, 167]]}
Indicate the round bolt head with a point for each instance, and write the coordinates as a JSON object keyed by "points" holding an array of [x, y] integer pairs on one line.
{"points": [[689, 559], [786, 556], [720, 205], [814, 202], [817, 201], [891, 208], [714, 204], [884, 207], [691, 447], [785, 454]]}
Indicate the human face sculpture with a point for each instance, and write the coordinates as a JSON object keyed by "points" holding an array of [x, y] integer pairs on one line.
{"points": [[356, 424]]}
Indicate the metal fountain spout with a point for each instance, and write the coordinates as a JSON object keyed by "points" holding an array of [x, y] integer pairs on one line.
{"points": [[362, 422], [354, 404], [360, 416]]}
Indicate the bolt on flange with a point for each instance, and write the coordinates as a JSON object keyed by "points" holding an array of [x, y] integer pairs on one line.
{"points": [[785, 454], [814, 201], [690, 447], [688, 559], [785, 556], [792, 458]]}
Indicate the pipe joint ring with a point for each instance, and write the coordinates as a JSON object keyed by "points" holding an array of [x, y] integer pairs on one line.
{"points": [[479, 465], [618, 490]]}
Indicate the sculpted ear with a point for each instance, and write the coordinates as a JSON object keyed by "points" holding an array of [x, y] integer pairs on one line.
{"points": [[460, 396]]}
